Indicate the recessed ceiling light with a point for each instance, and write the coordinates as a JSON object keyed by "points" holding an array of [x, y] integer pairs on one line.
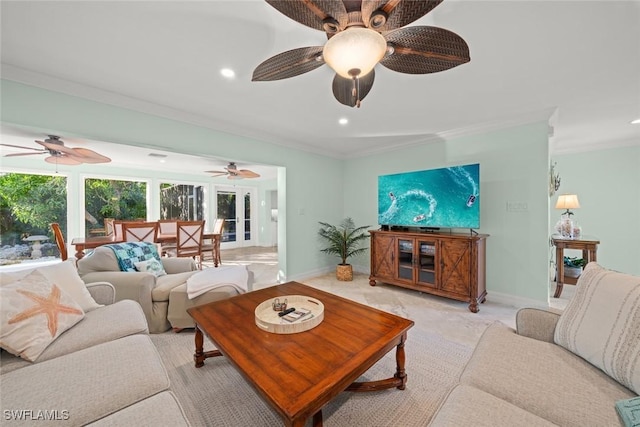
{"points": [[343, 121], [228, 73], [635, 122]]}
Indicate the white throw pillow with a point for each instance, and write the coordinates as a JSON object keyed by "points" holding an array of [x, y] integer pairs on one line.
{"points": [[33, 313], [601, 323], [152, 266], [66, 276]]}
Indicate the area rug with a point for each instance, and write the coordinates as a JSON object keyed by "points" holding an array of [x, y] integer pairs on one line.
{"points": [[217, 395]]}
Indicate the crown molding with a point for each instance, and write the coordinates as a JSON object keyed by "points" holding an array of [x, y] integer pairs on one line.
{"points": [[47, 82]]}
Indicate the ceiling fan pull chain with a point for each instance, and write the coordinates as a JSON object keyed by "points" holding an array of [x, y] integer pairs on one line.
{"points": [[355, 92]]}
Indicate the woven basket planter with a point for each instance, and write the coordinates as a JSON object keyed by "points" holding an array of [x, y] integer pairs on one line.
{"points": [[344, 272]]}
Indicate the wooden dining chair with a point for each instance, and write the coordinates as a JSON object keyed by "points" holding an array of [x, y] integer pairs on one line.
{"points": [[62, 247], [218, 227], [117, 229], [140, 231], [167, 227], [189, 240], [108, 227]]}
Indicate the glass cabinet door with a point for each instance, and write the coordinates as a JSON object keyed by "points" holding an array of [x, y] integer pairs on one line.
{"points": [[426, 264], [405, 259]]}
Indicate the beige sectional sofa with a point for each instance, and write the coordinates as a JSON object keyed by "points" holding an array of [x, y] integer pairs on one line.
{"points": [[104, 370], [564, 369]]}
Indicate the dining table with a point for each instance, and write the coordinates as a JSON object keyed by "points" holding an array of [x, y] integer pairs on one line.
{"points": [[83, 244]]}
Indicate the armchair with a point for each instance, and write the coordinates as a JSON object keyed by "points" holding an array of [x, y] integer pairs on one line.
{"points": [[151, 292]]}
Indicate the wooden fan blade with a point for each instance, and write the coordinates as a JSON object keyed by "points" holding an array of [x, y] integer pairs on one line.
{"points": [[422, 50], [314, 13], [39, 150], [221, 172], [56, 147], [289, 64], [88, 156], [398, 13], [23, 154], [343, 88], [62, 160], [246, 173]]}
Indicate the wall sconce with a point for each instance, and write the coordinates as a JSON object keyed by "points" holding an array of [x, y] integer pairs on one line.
{"points": [[554, 180]]}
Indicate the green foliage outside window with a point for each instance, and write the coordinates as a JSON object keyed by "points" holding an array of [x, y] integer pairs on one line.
{"points": [[29, 203]]}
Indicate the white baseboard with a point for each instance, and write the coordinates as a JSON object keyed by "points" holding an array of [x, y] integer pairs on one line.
{"points": [[308, 274], [515, 301]]}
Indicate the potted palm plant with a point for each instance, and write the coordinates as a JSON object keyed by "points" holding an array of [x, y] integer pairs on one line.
{"points": [[343, 240]]}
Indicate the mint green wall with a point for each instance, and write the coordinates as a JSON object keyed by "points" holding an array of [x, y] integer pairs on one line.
{"points": [[307, 188], [607, 183], [514, 167]]}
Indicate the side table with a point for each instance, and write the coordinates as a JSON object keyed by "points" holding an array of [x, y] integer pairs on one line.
{"points": [[589, 247]]}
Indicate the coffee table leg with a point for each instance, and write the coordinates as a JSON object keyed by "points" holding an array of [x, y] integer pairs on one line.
{"points": [[399, 379], [198, 356], [317, 419], [400, 359]]}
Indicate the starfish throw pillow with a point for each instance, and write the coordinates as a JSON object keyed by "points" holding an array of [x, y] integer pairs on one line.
{"points": [[33, 313]]}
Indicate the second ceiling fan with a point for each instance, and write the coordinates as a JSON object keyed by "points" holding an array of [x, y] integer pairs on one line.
{"points": [[233, 172], [361, 34]]}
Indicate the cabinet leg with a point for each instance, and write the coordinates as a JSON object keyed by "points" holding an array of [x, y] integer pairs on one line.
{"points": [[473, 306], [372, 282]]}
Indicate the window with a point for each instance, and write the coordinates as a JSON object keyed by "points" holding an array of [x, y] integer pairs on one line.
{"points": [[28, 204], [110, 198], [182, 201]]}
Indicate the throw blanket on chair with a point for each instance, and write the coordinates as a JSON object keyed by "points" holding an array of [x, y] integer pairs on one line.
{"points": [[211, 278], [129, 253]]}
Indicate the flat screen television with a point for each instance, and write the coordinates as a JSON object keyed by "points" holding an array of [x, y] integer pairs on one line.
{"points": [[434, 198]]}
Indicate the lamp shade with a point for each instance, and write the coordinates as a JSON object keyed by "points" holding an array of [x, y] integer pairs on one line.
{"points": [[354, 52], [568, 201]]}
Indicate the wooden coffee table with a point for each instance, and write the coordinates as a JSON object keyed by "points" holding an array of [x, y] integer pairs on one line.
{"points": [[297, 374]]}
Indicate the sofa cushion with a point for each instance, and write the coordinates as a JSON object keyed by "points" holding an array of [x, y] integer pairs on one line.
{"points": [[536, 375], [65, 275], [601, 323], [161, 409], [34, 312], [469, 406], [106, 324], [89, 384]]}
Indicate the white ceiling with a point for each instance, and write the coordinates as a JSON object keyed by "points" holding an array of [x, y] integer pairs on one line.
{"points": [[578, 61]]}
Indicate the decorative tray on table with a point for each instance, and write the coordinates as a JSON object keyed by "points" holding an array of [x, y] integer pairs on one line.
{"points": [[307, 314]]}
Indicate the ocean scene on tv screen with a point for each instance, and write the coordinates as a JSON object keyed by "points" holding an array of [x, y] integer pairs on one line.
{"points": [[446, 197]]}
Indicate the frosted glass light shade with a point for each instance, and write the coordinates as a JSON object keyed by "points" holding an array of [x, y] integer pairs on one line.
{"points": [[568, 201], [354, 52]]}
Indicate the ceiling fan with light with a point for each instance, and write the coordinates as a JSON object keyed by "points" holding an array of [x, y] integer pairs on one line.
{"points": [[61, 154], [233, 172], [361, 34]]}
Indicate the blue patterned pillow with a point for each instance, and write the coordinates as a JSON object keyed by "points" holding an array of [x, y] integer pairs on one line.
{"points": [[151, 266]]}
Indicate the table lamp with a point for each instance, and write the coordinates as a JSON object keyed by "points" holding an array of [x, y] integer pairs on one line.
{"points": [[566, 226]]}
